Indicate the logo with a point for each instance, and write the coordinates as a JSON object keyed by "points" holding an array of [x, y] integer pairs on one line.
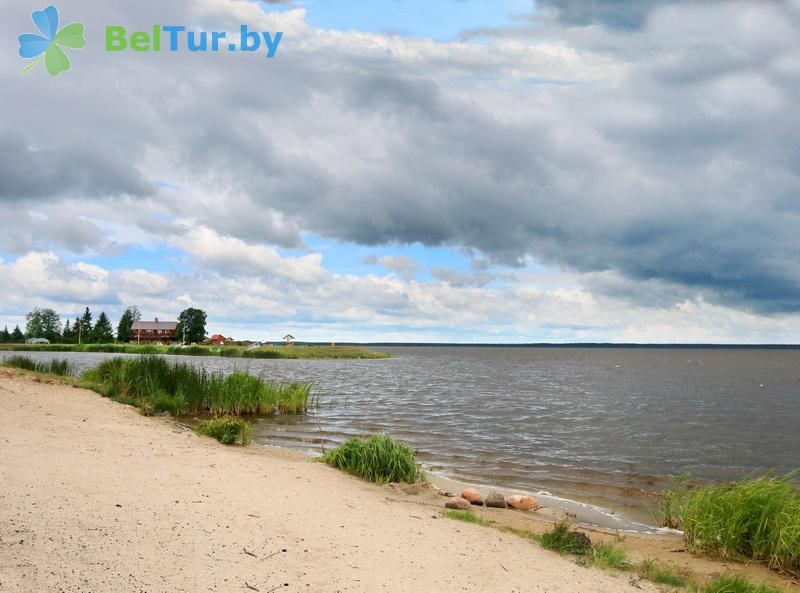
{"points": [[50, 42]]}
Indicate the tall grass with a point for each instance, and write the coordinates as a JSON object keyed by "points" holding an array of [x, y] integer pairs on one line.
{"points": [[180, 388], [226, 430], [53, 367], [755, 518], [378, 459]]}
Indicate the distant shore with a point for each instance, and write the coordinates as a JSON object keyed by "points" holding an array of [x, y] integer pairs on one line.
{"points": [[292, 352]]}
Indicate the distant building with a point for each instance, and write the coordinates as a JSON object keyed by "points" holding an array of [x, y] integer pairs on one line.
{"points": [[288, 339], [37, 341], [220, 340], [149, 332]]}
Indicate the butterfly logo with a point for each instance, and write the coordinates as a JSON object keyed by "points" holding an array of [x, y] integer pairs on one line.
{"points": [[50, 42]]}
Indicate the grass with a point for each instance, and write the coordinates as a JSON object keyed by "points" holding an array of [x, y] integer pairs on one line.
{"points": [[733, 584], [467, 517], [53, 367], [755, 518], [610, 556], [661, 574], [159, 385], [226, 430], [563, 540], [378, 459], [311, 351]]}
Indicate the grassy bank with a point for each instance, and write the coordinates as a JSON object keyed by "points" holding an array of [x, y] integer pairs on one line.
{"points": [[294, 352], [156, 384], [755, 518]]}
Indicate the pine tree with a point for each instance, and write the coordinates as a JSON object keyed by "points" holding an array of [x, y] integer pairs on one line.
{"points": [[86, 327], [102, 333], [66, 335], [77, 332], [17, 336], [5, 336], [125, 326]]}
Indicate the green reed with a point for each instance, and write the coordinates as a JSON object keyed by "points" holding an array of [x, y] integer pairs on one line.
{"points": [[755, 518], [53, 367], [378, 459], [180, 388]]}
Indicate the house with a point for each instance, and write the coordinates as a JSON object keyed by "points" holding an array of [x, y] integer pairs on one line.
{"points": [[220, 340], [149, 332], [288, 339], [37, 341]]}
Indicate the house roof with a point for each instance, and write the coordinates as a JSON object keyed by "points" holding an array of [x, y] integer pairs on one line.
{"points": [[288, 337], [153, 325]]}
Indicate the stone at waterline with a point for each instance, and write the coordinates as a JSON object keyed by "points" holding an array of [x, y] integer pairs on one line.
{"points": [[457, 503], [523, 503], [496, 500], [472, 496]]}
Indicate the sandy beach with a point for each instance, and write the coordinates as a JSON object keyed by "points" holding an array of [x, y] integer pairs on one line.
{"points": [[95, 497]]}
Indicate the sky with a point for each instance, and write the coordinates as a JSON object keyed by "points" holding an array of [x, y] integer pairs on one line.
{"points": [[454, 171]]}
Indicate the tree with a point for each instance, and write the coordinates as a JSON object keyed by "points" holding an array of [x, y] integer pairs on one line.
{"points": [[17, 336], [67, 334], [194, 322], [77, 331], [125, 326], [85, 328], [5, 336], [43, 323], [102, 333]]}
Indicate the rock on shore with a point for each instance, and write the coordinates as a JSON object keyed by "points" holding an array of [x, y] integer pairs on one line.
{"points": [[457, 503], [496, 500], [472, 496], [522, 503]]}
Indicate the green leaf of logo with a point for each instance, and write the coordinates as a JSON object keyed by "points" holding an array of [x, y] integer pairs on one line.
{"points": [[71, 36]]}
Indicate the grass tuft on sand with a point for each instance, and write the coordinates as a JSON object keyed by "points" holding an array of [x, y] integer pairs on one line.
{"points": [[661, 575], [379, 459], [755, 518], [610, 556], [563, 540], [227, 430], [732, 584], [467, 516]]}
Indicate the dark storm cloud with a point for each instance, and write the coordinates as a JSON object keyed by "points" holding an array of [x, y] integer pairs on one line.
{"points": [[674, 166]]}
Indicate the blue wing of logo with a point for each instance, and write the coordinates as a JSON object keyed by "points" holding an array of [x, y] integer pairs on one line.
{"points": [[31, 45], [47, 21]]}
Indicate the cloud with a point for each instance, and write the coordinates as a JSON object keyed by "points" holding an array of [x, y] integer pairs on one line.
{"points": [[402, 265], [655, 157]]}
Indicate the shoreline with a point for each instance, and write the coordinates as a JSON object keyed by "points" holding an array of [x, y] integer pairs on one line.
{"points": [[102, 498]]}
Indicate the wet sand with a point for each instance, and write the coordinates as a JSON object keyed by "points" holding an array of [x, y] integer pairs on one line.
{"points": [[95, 497]]}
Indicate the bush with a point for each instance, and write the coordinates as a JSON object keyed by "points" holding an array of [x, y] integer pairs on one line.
{"points": [[756, 518], [226, 430], [378, 459]]}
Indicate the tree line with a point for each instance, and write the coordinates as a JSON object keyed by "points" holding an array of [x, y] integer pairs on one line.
{"points": [[46, 323]]}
